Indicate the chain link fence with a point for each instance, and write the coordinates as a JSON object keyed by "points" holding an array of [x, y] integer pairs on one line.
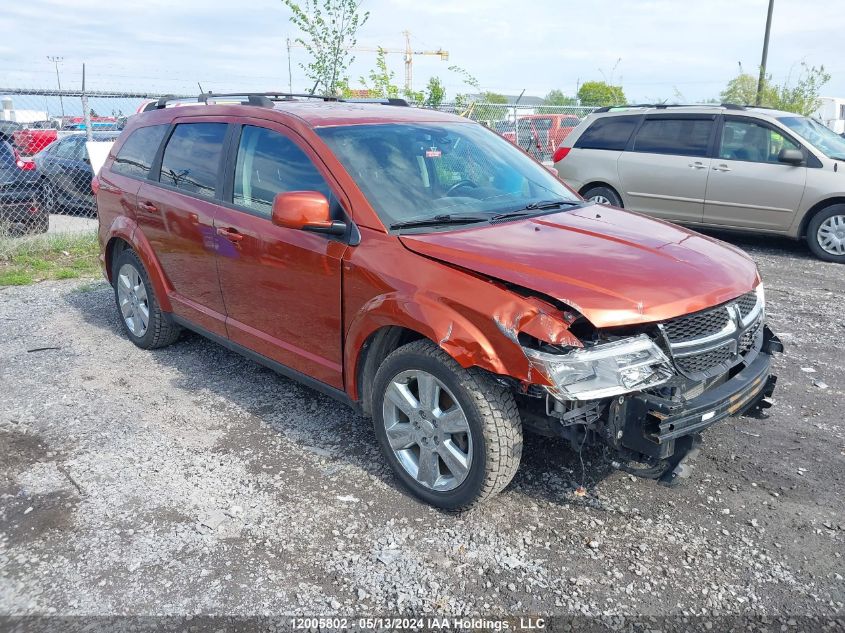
{"points": [[46, 170]]}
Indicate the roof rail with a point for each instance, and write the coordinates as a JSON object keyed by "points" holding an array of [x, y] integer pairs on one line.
{"points": [[663, 106], [267, 99]]}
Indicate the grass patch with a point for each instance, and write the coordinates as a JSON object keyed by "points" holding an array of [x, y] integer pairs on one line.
{"points": [[30, 259]]}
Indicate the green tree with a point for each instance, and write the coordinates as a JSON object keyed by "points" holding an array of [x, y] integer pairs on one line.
{"points": [[493, 97], [434, 93], [557, 98], [381, 78], [600, 93], [329, 29], [802, 97]]}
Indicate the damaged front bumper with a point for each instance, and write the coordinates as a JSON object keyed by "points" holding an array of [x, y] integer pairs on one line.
{"points": [[647, 425]]}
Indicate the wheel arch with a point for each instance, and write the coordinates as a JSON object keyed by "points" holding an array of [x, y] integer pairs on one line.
{"points": [[814, 210], [122, 235], [599, 183]]}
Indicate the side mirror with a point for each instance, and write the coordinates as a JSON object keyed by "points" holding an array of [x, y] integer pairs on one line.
{"points": [[305, 211], [791, 156]]}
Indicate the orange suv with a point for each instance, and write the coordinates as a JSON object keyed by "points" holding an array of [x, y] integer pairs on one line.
{"points": [[420, 268]]}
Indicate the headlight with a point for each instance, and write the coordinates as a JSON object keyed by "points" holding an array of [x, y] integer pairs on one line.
{"points": [[761, 295], [608, 369]]}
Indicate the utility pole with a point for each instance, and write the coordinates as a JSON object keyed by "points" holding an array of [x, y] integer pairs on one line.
{"points": [[290, 74], [56, 60], [762, 77], [86, 111]]}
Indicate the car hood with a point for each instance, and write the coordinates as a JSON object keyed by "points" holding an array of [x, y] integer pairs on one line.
{"points": [[615, 267]]}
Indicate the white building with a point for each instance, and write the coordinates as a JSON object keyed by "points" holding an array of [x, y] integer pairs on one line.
{"points": [[831, 112], [8, 112]]}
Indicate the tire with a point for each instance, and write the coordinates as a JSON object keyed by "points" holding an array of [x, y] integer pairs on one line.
{"points": [[603, 195], [826, 234], [47, 197], [159, 330], [491, 445]]}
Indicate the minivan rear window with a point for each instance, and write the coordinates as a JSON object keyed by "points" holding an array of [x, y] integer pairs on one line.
{"points": [[684, 137], [610, 133], [136, 155], [192, 157]]}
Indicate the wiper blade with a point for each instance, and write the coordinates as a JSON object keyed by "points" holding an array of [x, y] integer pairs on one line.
{"points": [[532, 207], [444, 218]]}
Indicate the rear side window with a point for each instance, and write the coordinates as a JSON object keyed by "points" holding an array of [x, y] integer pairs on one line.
{"points": [[136, 155], [685, 137], [7, 155], [270, 163], [192, 157], [610, 133]]}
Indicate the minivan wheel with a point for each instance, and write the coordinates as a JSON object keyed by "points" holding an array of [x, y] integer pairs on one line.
{"points": [[144, 322], [826, 234], [453, 436], [603, 195]]}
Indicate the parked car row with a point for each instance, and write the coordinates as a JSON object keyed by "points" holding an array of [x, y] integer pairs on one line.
{"points": [[721, 167], [56, 180], [428, 273]]}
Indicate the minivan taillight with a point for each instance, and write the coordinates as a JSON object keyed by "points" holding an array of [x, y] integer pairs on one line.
{"points": [[95, 185], [560, 154]]}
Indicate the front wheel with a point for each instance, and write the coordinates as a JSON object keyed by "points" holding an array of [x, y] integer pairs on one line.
{"points": [[453, 436], [144, 322], [603, 195], [826, 234]]}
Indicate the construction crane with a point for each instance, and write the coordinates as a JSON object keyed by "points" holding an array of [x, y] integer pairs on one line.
{"points": [[407, 52]]}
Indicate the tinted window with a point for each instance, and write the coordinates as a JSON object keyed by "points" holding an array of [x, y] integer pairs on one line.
{"points": [[7, 155], [744, 140], [270, 163], [192, 157], [608, 133], [67, 148], [686, 137], [136, 155]]}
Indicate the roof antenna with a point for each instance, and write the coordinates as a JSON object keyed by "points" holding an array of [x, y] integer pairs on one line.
{"points": [[200, 87]]}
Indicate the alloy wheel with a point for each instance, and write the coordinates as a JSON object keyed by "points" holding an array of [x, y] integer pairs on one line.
{"points": [[599, 200], [133, 300], [831, 235], [427, 430]]}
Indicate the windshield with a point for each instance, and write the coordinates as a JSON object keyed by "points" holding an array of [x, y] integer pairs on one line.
{"points": [[423, 170], [821, 137]]}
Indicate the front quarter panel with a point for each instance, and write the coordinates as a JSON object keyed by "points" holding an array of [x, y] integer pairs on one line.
{"points": [[474, 320]]}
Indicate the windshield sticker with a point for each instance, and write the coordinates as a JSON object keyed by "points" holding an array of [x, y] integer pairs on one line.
{"points": [[433, 152]]}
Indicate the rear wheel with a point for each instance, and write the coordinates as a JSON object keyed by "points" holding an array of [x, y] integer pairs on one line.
{"points": [[453, 436], [826, 234], [603, 195], [144, 322]]}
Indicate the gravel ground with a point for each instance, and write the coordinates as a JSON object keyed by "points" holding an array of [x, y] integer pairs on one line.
{"points": [[71, 224], [189, 480]]}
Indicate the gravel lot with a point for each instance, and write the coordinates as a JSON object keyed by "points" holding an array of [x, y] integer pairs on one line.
{"points": [[189, 480], [71, 224]]}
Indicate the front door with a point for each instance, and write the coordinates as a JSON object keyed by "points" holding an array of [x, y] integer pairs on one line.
{"points": [[664, 171], [281, 286], [748, 186], [176, 215]]}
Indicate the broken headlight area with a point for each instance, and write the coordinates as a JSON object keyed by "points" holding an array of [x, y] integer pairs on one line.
{"points": [[602, 370]]}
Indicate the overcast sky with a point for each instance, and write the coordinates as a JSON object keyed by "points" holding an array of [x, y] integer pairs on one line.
{"points": [[668, 48]]}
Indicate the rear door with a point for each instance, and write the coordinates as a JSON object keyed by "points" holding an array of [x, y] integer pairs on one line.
{"points": [[748, 187], [664, 170], [281, 286], [176, 215]]}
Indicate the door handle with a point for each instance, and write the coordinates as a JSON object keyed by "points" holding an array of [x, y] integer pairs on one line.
{"points": [[698, 165], [149, 206], [722, 168], [230, 234]]}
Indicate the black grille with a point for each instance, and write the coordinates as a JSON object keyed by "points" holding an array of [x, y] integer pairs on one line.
{"points": [[746, 303], [746, 342], [696, 326], [705, 361]]}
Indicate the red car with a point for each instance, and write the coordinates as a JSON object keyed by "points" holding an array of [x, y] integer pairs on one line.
{"points": [[420, 268], [30, 141], [540, 134]]}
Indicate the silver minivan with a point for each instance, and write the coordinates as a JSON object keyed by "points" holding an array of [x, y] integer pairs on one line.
{"points": [[727, 166]]}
